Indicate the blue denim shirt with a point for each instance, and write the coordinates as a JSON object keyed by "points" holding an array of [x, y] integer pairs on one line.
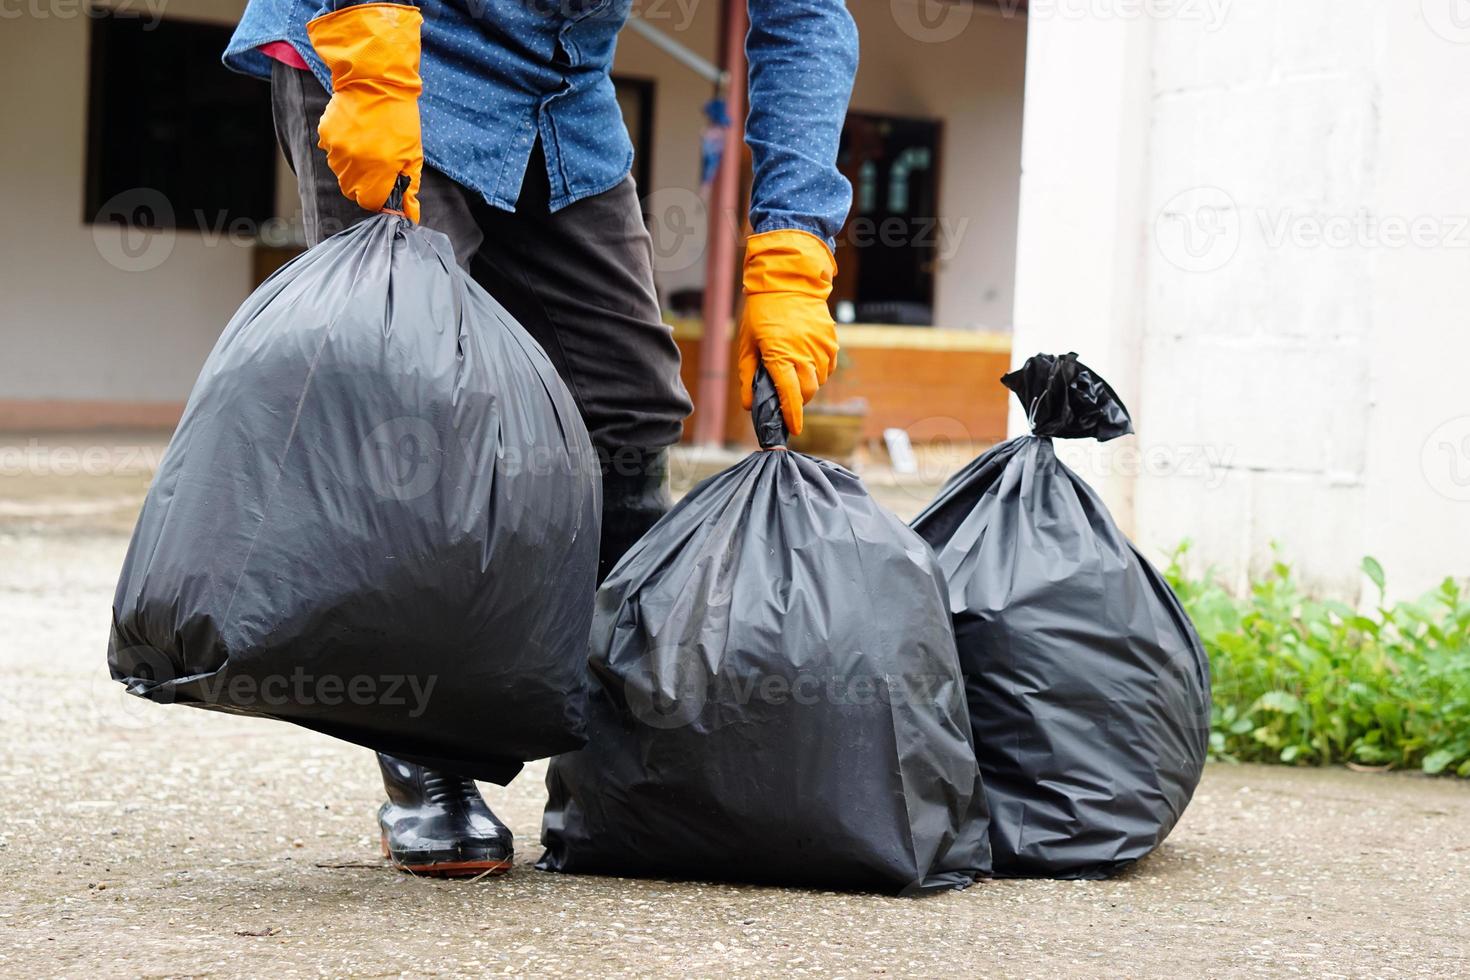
{"points": [[499, 73]]}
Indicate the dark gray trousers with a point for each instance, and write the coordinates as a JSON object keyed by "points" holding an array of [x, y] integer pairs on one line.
{"points": [[579, 280]]}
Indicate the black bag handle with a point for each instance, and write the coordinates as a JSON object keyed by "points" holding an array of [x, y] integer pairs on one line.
{"points": [[394, 204], [765, 411]]}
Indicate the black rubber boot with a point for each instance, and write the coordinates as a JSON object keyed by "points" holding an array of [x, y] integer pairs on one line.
{"points": [[635, 494], [435, 823]]}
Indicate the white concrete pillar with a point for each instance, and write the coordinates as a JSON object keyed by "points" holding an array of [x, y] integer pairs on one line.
{"points": [[1084, 156], [1417, 487], [1254, 219]]}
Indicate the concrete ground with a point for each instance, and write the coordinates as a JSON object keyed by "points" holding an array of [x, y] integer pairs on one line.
{"points": [[138, 839]]}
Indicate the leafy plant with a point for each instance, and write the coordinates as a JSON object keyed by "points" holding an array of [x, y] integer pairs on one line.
{"points": [[1306, 681]]}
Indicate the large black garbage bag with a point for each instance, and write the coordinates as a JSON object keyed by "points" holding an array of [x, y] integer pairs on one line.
{"points": [[777, 697], [378, 518], [1088, 688]]}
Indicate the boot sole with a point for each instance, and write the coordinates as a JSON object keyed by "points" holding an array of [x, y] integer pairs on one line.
{"points": [[448, 869]]}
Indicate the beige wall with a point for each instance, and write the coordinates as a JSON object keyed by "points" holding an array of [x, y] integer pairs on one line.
{"points": [[674, 202], [72, 324]]}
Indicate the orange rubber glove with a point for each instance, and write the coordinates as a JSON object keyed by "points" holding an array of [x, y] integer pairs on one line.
{"points": [[786, 324], [370, 129]]}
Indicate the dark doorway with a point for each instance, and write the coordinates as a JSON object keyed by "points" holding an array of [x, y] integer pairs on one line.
{"points": [[887, 248]]}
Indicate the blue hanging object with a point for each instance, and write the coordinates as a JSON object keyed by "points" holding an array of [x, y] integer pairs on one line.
{"points": [[712, 140]]}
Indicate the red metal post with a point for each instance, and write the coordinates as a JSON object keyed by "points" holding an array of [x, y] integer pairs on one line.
{"points": [[723, 231]]}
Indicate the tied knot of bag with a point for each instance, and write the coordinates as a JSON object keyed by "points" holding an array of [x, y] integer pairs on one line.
{"points": [[1065, 398]]}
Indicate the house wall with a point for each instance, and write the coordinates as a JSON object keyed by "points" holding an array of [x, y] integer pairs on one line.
{"points": [[81, 321], [966, 68], [674, 202], [1275, 223], [75, 323], [969, 73]]}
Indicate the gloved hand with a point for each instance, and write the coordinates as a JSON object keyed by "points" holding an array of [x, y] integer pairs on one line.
{"points": [[788, 277], [370, 128]]}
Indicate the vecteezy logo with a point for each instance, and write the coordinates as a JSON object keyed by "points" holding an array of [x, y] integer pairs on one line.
{"points": [[134, 230], [670, 690], [678, 220], [1449, 19], [1445, 459], [402, 458], [1198, 230], [932, 21]]}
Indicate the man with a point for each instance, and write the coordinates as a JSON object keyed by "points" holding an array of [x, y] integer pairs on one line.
{"points": [[518, 153]]}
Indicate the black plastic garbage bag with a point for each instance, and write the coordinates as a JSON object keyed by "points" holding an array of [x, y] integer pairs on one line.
{"points": [[378, 518], [1089, 691], [776, 696]]}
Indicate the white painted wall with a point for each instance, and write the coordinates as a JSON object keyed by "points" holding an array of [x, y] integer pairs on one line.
{"points": [[1293, 365], [73, 325], [1417, 453]]}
